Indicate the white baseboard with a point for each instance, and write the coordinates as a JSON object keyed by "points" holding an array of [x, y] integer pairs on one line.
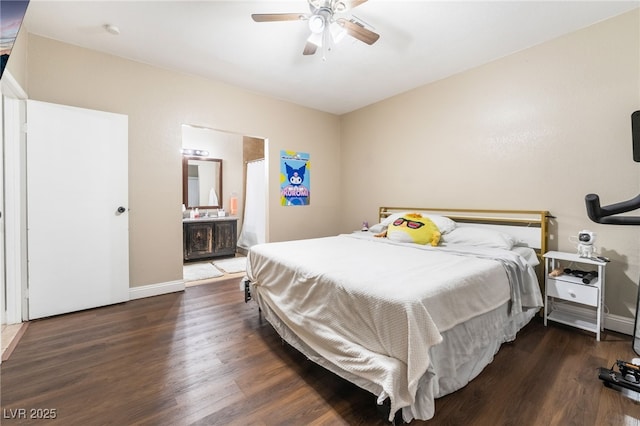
{"points": [[620, 324], [156, 289]]}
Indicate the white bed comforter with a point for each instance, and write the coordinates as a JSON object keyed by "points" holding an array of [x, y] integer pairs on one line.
{"points": [[374, 308]]}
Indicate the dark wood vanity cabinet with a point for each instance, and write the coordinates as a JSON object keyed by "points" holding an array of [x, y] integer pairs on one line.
{"points": [[209, 238]]}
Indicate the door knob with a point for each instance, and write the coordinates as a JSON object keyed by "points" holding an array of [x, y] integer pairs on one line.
{"points": [[121, 210]]}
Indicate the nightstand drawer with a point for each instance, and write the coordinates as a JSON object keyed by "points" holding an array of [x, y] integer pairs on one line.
{"points": [[573, 292]]}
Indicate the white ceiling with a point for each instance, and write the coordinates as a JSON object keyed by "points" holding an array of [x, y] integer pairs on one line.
{"points": [[420, 41]]}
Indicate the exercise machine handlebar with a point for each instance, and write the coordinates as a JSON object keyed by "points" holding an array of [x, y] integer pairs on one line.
{"points": [[610, 215]]}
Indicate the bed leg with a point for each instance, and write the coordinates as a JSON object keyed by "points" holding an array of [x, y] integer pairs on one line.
{"points": [[247, 290], [247, 294]]}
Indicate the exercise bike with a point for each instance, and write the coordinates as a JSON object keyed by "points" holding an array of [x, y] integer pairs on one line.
{"points": [[622, 375]]}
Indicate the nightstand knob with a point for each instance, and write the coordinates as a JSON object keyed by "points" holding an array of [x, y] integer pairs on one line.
{"points": [[572, 294]]}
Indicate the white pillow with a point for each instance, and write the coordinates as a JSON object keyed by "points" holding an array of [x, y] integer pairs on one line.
{"points": [[377, 228], [443, 223], [478, 237]]}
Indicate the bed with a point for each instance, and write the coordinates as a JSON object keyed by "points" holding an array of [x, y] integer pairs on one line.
{"points": [[408, 322]]}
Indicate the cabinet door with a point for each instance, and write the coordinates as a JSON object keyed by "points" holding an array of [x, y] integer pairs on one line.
{"points": [[225, 238], [198, 240]]}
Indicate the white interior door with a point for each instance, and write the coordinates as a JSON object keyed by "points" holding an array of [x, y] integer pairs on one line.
{"points": [[77, 220]]}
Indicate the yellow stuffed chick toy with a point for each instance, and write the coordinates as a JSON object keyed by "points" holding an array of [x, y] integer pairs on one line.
{"points": [[413, 228]]}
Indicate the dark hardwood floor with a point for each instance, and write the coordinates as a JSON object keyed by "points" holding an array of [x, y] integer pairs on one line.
{"points": [[204, 357]]}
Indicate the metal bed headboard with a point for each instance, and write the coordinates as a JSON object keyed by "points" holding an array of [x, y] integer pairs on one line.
{"points": [[530, 226]]}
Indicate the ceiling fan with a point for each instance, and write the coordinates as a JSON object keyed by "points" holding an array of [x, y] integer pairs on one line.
{"points": [[325, 26]]}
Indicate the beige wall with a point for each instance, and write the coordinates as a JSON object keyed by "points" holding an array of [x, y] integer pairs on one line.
{"points": [[539, 130], [535, 130], [17, 64], [158, 102]]}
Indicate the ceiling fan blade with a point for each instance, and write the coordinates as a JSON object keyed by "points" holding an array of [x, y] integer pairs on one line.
{"points": [[271, 17], [358, 31], [309, 48]]}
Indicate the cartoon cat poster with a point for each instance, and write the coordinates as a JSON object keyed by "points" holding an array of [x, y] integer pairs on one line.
{"points": [[295, 178]]}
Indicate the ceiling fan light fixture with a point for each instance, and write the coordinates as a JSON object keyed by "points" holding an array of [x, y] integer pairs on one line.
{"points": [[316, 24], [326, 27], [339, 7], [315, 38]]}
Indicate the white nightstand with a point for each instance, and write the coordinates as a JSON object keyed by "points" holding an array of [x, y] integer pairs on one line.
{"points": [[586, 310]]}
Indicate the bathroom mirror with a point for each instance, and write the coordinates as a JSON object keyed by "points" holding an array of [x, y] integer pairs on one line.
{"points": [[201, 182]]}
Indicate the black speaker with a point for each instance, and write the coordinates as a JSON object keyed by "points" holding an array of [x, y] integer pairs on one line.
{"points": [[635, 135]]}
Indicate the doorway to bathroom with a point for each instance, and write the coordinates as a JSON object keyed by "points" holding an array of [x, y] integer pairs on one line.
{"points": [[237, 199]]}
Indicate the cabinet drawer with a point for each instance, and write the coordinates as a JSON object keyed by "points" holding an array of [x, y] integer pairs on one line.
{"points": [[573, 292]]}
